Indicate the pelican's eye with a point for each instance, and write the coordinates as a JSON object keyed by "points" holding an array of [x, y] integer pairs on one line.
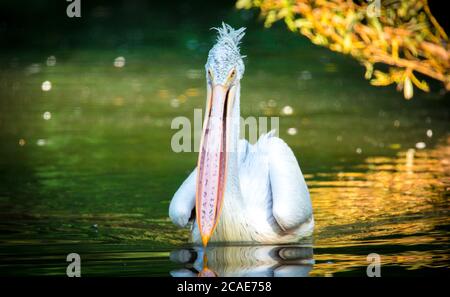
{"points": [[210, 76], [232, 76]]}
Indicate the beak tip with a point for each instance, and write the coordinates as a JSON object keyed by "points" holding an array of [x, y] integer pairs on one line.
{"points": [[205, 239]]}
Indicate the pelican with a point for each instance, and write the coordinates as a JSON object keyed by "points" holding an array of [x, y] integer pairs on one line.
{"points": [[240, 192]]}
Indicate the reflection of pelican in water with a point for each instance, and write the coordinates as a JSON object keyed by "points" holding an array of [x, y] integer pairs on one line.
{"points": [[258, 190], [238, 261]]}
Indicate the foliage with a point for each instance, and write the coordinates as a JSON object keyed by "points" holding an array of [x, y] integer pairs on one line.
{"points": [[400, 33]]}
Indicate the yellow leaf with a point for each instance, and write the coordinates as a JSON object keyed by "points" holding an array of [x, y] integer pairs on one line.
{"points": [[244, 4], [420, 84], [347, 43], [369, 70], [381, 79], [395, 49], [303, 23]]}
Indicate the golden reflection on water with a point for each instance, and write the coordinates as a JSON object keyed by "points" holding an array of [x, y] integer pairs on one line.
{"points": [[395, 201]]}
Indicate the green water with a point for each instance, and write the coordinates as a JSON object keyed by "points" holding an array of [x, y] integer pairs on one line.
{"points": [[87, 167]]}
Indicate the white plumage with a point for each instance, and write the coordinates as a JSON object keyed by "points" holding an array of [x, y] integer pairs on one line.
{"points": [[266, 199]]}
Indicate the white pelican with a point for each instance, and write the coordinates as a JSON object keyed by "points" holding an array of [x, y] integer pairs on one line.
{"points": [[258, 190]]}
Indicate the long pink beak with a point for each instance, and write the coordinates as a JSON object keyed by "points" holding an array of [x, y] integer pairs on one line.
{"points": [[212, 163]]}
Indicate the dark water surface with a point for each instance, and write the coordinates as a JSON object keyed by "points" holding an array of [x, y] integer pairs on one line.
{"points": [[87, 167]]}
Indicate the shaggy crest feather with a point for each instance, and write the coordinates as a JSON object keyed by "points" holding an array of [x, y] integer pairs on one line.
{"points": [[227, 34]]}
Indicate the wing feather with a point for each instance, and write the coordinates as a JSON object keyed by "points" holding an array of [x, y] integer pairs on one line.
{"points": [[290, 196], [183, 201]]}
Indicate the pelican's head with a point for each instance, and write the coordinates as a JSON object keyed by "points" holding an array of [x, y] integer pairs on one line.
{"points": [[225, 65], [224, 69]]}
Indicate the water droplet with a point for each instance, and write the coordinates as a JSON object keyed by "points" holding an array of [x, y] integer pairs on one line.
{"points": [[287, 110], [47, 115], [51, 61], [22, 142], [41, 142], [175, 103], [33, 69], [292, 131], [272, 103], [46, 86], [421, 145], [430, 133], [358, 150], [119, 62]]}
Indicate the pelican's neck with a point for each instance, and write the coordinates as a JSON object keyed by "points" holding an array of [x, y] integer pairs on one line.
{"points": [[233, 188]]}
